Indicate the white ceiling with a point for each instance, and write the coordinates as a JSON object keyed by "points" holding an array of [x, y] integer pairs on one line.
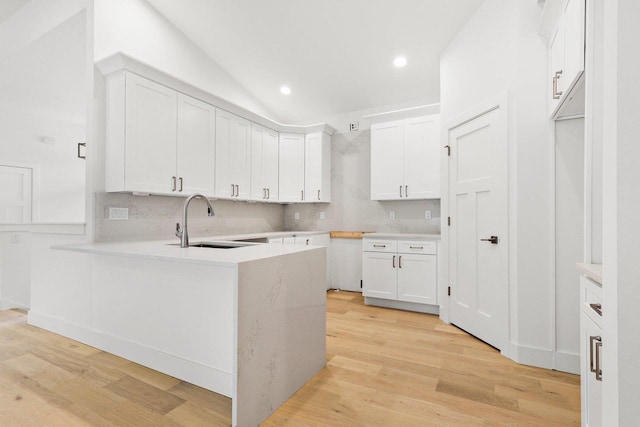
{"points": [[9, 7], [336, 55]]}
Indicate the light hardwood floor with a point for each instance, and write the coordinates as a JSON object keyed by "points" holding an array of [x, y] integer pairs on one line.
{"points": [[384, 368]]}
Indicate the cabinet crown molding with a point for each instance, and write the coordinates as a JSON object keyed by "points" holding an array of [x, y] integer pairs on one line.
{"points": [[120, 62]]}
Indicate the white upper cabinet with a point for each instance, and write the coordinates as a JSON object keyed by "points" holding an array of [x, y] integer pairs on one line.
{"points": [[264, 164], [196, 146], [158, 141], [317, 167], [233, 150], [566, 59], [422, 158], [405, 159], [291, 180]]}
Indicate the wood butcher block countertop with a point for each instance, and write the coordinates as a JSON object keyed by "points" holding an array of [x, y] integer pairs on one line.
{"points": [[347, 234]]}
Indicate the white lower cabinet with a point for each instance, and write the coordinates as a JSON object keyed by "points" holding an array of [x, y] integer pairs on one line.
{"points": [[591, 355], [308, 239], [399, 270]]}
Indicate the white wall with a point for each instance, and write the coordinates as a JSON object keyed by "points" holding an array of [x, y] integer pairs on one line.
{"points": [[351, 207], [43, 95], [621, 233], [137, 29], [569, 226], [499, 50], [15, 265]]}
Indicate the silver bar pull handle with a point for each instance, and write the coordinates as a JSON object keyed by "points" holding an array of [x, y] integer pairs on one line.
{"points": [[597, 308], [416, 247], [401, 191], [173, 178], [592, 338], [318, 194], [181, 184], [400, 261], [379, 246], [301, 194], [406, 191], [393, 262], [268, 193], [237, 190], [233, 190], [556, 93], [598, 367]]}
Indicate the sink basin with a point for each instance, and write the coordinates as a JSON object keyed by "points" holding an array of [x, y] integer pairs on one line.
{"points": [[218, 245]]}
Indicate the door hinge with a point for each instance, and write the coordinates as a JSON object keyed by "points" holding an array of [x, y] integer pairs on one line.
{"points": [[449, 291], [448, 147], [448, 220]]}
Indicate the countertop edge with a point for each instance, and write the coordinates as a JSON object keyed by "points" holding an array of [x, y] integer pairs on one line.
{"points": [[592, 271], [403, 236]]}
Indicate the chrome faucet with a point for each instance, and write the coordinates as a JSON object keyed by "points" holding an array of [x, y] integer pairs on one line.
{"points": [[183, 234]]}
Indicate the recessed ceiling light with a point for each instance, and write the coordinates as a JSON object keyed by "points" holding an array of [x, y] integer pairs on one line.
{"points": [[400, 61], [285, 90]]}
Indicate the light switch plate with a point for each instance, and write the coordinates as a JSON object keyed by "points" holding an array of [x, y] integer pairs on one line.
{"points": [[323, 215], [119, 214], [296, 216], [392, 215], [427, 214]]}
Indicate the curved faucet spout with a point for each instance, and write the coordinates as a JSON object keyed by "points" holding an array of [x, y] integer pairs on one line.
{"points": [[184, 234]]}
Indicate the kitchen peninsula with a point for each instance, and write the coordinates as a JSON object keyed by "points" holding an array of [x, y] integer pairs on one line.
{"points": [[247, 322]]}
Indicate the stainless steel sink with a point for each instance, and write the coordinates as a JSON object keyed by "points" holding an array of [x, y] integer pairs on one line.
{"points": [[218, 245]]}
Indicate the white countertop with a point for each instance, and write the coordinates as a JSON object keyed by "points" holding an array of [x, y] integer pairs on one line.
{"points": [[592, 271], [402, 236], [170, 250]]}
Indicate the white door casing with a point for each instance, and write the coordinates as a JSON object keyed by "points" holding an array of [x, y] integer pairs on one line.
{"points": [[15, 197], [478, 208]]}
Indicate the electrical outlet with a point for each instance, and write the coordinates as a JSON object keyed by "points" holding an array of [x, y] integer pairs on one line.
{"points": [[323, 215], [119, 214], [392, 215], [427, 214], [296, 216], [354, 126]]}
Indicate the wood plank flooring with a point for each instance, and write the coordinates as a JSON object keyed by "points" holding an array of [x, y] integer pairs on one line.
{"points": [[384, 368]]}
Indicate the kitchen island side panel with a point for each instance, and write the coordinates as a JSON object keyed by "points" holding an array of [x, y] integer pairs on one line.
{"points": [[281, 331]]}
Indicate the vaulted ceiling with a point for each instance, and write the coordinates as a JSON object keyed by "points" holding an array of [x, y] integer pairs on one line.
{"points": [[335, 55]]}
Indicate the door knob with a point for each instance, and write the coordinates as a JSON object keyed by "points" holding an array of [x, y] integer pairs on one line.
{"points": [[493, 240]]}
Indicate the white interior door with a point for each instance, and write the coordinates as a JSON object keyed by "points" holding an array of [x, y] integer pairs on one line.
{"points": [[15, 197], [478, 268]]}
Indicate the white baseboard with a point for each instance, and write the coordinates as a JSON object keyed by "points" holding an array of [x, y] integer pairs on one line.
{"points": [[544, 358], [8, 304], [402, 305], [568, 362], [186, 370]]}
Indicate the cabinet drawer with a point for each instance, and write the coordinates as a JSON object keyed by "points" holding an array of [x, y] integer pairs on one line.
{"points": [[379, 245], [591, 299], [417, 247]]}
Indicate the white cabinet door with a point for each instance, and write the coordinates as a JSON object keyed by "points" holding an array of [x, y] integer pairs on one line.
{"points": [[241, 158], [196, 146], [317, 170], [591, 391], [422, 158], [387, 161], [270, 162], [379, 275], [574, 42], [150, 149], [264, 164], [232, 171], [417, 277], [291, 179]]}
